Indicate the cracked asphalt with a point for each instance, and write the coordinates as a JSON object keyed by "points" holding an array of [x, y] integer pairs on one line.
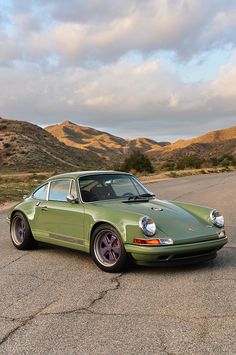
{"points": [[56, 301]]}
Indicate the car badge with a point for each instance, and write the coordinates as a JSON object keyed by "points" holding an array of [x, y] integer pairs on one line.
{"points": [[190, 229], [158, 209]]}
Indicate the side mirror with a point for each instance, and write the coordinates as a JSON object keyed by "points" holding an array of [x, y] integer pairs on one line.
{"points": [[71, 199]]}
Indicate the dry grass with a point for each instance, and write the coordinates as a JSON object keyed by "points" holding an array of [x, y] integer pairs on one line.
{"points": [[164, 175], [13, 187]]}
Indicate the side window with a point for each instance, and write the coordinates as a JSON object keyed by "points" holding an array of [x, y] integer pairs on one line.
{"points": [[41, 193], [73, 190], [59, 190]]}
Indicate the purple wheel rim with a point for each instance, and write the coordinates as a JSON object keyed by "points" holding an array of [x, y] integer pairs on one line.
{"points": [[107, 248], [18, 230]]}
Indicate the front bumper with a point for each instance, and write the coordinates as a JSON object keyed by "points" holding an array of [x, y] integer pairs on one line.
{"points": [[175, 254]]}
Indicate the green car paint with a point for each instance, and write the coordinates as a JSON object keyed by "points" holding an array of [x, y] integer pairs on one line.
{"points": [[72, 224]]}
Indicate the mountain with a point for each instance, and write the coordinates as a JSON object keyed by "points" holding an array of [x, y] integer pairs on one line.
{"points": [[213, 137], [110, 147], [102, 143], [27, 147], [212, 144], [67, 146], [88, 139]]}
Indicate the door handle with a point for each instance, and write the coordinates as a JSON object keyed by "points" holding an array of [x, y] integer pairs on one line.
{"points": [[44, 208]]}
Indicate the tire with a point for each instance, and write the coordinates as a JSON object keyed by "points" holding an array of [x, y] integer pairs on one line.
{"points": [[107, 249], [20, 232]]}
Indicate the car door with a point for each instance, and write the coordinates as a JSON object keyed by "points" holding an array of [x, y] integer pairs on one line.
{"points": [[59, 221]]}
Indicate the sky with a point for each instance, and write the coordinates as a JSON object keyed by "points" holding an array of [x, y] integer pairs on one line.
{"points": [[162, 69]]}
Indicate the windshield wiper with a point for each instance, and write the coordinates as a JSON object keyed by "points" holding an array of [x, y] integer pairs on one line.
{"points": [[147, 195], [138, 198]]}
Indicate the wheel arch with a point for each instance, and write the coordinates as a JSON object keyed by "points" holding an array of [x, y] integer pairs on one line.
{"points": [[17, 211], [95, 226], [23, 213]]}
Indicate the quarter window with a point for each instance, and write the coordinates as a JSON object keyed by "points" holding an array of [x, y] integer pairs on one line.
{"points": [[41, 193], [59, 190]]}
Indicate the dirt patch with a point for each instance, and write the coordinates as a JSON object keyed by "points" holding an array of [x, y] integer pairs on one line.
{"points": [[7, 205]]}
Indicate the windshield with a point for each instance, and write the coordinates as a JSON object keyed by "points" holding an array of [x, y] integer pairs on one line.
{"points": [[111, 186]]}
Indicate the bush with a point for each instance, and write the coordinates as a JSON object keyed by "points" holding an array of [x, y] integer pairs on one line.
{"points": [[168, 165], [138, 162], [173, 174], [190, 161], [214, 161]]}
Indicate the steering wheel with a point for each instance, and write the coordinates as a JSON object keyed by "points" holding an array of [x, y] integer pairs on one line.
{"points": [[127, 194]]}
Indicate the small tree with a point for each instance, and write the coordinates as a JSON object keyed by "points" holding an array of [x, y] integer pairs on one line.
{"points": [[137, 161], [190, 161]]}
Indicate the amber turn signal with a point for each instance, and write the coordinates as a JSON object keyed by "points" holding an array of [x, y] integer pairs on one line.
{"points": [[158, 241], [147, 241]]}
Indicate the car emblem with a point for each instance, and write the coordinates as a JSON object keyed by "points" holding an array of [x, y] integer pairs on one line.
{"points": [[190, 229], [157, 209]]}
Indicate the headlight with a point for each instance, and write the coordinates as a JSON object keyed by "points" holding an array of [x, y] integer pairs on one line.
{"points": [[217, 219], [148, 226]]}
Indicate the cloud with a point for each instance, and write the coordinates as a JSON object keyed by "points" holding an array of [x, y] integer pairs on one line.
{"points": [[124, 98], [103, 31], [98, 62]]}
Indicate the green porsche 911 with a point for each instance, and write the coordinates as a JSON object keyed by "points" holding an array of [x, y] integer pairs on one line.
{"points": [[112, 216]]}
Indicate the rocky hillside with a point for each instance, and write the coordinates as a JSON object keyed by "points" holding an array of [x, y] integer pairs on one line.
{"points": [[67, 146], [215, 143], [27, 147], [104, 144], [212, 144]]}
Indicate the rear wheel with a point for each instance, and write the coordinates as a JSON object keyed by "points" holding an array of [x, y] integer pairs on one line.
{"points": [[21, 235], [107, 249]]}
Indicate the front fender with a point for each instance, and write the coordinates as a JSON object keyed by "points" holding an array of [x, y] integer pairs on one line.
{"points": [[127, 224]]}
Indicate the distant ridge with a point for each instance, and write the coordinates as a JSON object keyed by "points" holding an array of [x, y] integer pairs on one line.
{"points": [[68, 146], [102, 143], [108, 146], [28, 147]]}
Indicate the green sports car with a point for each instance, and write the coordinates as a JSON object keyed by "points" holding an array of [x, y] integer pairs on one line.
{"points": [[112, 216]]}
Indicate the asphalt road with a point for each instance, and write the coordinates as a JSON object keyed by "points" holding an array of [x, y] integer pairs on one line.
{"points": [[56, 301]]}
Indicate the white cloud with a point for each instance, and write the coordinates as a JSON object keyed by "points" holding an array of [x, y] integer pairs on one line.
{"points": [[104, 30], [133, 99], [61, 60]]}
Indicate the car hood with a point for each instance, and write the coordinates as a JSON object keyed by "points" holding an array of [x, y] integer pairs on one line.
{"points": [[172, 220]]}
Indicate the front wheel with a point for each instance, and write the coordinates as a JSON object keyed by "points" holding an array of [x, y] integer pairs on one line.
{"points": [[107, 249], [21, 235]]}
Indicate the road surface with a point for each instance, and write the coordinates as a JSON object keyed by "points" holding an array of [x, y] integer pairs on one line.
{"points": [[56, 301]]}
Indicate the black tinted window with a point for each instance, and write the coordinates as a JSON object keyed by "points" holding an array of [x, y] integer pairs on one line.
{"points": [[109, 186]]}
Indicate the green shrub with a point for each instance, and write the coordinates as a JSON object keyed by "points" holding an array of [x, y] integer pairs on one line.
{"points": [[190, 161], [173, 174], [138, 162], [168, 165]]}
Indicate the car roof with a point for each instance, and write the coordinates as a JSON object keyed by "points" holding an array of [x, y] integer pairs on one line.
{"points": [[77, 174]]}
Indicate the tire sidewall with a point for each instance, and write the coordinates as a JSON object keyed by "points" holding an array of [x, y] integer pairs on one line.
{"points": [[121, 262], [28, 241]]}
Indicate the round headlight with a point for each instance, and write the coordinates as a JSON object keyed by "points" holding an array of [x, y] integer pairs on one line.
{"points": [[217, 219], [148, 226]]}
